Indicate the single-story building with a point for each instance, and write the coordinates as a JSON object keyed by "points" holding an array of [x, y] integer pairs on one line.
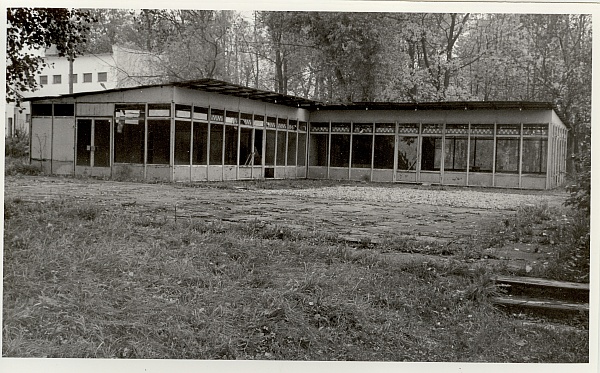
{"points": [[213, 130]]}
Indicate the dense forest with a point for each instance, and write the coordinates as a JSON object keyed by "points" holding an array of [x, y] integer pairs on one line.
{"points": [[341, 57]]}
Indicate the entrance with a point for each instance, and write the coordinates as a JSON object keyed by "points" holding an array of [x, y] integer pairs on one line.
{"points": [[93, 147]]}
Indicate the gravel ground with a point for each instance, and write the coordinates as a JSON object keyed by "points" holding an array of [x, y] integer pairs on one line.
{"points": [[451, 198]]}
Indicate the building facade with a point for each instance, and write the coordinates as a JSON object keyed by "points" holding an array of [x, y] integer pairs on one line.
{"points": [[209, 130]]}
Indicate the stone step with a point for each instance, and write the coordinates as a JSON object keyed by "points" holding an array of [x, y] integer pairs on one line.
{"points": [[543, 288], [550, 306]]}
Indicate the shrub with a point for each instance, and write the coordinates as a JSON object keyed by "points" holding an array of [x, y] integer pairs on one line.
{"points": [[17, 146], [580, 188]]}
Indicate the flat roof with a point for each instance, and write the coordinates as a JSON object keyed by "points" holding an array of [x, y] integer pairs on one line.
{"points": [[226, 88]]}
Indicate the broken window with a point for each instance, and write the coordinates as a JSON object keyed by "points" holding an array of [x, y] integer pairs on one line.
{"points": [[231, 137], [64, 110], [407, 153], [216, 144], [291, 149], [507, 155], [535, 152], [232, 117], [340, 150], [270, 148], [159, 141], [281, 142], [129, 133], [183, 136], [431, 153], [41, 110], [384, 152], [481, 156], [200, 143]]}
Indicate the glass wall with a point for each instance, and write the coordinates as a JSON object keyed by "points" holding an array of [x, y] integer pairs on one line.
{"points": [[431, 147], [362, 145], [200, 143], [129, 133], [319, 144], [183, 137], [216, 144], [340, 144]]}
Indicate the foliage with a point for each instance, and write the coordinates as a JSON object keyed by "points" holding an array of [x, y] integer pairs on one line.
{"points": [[83, 279], [17, 146], [33, 29]]}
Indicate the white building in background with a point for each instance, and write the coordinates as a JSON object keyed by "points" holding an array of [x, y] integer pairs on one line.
{"points": [[92, 72]]}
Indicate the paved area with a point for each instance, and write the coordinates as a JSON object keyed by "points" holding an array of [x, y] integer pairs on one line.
{"points": [[358, 219]]}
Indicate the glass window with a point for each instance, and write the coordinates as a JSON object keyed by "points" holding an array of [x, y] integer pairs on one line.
{"points": [[231, 137], [183, 111], [43, 79], [258, 146], [87, 77], [41, 110], [200, 143], [407, 153], [74, 78], [183, 136], [270, 148], [232, 117], [259, 120], [431, 153], [318, 149], [340, 150], [456, 154], [281, 142], [246, 147], [200, 113], [384, 152], [56, 79], [246, 119], [507, 155], [291, 149], [159, 141], [481, 155], [362, 149], [301, 149], [102, 77], [535, 152], [217, 115], [129, 133], [159, 110], [216, 144], [64, 110]]}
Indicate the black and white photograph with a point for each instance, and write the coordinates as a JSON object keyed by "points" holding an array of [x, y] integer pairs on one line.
{"points": [[339, 186]]}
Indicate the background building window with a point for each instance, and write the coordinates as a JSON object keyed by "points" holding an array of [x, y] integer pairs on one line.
{"points": [[102, 77], [87, 77], [43, 79], [56, 79], [74, 78]]}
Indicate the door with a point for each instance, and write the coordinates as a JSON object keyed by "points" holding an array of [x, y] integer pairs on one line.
{"points": [[93, 147]]}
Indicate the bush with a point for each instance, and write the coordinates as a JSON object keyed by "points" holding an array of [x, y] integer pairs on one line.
{"points": [[17, 146], [580, 188]]}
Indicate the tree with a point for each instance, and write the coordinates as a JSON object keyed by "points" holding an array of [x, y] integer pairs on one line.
{"points": [[31, 29]]}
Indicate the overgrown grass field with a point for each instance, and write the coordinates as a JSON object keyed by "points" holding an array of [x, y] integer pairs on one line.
{"points": [[84, 281]]}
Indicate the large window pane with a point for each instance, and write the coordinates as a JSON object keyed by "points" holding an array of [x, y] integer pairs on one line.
{"points": [[258, 146], [281, 142], [183, 135], [384, 152], [507, 155], [270, 148], [361, 151], [159, 141], [200, 143], [231, 135], [535, 152], [340, 150], [431, 152], [482, 154], [407, 153], [318, 150], [456, 154], [129, 133], [246, 146], [291, 149], [301, 149], [216, 144]]}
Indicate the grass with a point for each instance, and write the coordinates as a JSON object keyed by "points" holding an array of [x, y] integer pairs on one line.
{"points": [[82, 280]]}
